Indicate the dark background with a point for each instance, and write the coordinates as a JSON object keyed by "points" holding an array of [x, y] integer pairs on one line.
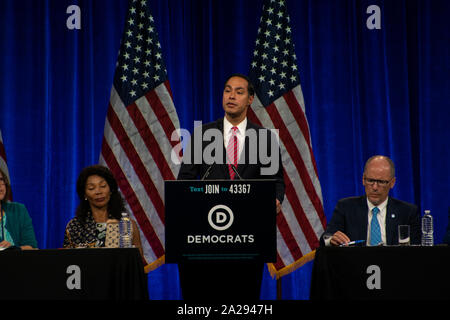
{"points": [[366, 92]]}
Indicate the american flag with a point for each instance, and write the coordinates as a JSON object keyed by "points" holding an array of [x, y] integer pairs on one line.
{"points": [[140, 121], [279, 104]]}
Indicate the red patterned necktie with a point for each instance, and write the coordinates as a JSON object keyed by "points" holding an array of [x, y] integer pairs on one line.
{"points": [[232, 151]]}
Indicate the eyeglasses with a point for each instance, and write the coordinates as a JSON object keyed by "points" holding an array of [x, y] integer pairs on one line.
{"points": [[382, 183]]}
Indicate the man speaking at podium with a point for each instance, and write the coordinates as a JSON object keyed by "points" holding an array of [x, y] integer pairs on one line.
{"points": [[230, 280]]}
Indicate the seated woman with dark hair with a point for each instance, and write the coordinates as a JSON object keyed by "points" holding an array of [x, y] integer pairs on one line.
{"points": [[16, 228], [100, 201]]}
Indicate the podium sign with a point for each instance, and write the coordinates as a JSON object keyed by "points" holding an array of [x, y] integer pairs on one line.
{"points": [[220, 219]]}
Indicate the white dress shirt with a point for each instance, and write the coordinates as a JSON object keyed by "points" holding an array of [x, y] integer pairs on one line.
{"points": [[240, 134]]}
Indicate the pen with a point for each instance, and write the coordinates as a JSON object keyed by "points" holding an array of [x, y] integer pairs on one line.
{"points": [[352, 242]]}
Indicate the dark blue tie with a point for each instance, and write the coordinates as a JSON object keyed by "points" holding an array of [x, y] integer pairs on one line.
{"points": [[375, 232]]}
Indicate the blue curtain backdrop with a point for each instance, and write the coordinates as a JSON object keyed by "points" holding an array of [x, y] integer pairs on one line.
{"points": [[367, 92]]}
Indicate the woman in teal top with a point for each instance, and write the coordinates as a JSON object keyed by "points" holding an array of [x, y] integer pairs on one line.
{"points": [[16, 228]]}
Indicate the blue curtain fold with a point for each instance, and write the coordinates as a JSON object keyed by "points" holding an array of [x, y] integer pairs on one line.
{"points": [[366, 92]]}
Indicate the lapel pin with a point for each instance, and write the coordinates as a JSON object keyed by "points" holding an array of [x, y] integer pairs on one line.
{"points": [[393, 215]]}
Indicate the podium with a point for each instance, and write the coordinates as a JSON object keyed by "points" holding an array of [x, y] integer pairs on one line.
{"points": [[220, 220], [217, 227]]}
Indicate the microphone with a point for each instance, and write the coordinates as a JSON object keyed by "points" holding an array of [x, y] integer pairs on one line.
{"points": [[236, 172], [207, 172]]}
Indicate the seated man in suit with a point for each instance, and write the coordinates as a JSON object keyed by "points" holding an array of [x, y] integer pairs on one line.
{"points": [[210, 280], [374, 217]]}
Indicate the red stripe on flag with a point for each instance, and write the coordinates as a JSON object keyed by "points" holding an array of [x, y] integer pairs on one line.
{"points": [[133, 202], [252, 116], [288, 237], [150, 141], [167, 85], [279, 264], [161, 113], [2, 151], [136, 162], [298, 211], [300, 215], [300, 117], [294, 153]]}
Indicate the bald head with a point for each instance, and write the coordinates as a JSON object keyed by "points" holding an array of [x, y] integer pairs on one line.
{"points": [[378, 178], [380, 160]]}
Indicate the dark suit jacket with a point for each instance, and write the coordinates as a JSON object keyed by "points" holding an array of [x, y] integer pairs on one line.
{"points": [[191, 171], [350, 217]]}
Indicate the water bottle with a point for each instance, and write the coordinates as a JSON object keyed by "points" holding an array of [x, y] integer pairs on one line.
{"points": [[427, 229], [125, 231]]}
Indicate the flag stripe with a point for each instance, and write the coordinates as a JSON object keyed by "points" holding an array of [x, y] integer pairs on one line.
{"points": [[136, 161], [150, 141], [164, 142], [289, 164], [164, 94], [135, 182], [2, 150], [132, 200], [295, 228], [139, 126], [286, 247], [280, 264], [299, 213], [299, 115], [294, 153], [307, 160], [136, 139], [279, 104], [162, 114], [151, 225], [147, 250], [288, 238], [290, 190]]}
